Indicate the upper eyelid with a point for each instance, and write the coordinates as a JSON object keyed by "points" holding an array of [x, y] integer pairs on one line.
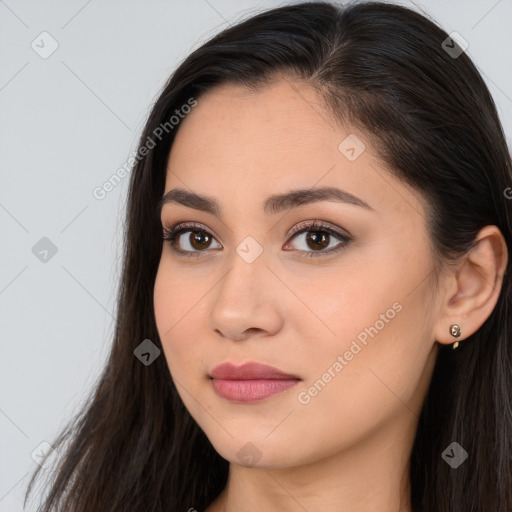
{"points": [[188, 226], [299, 228], [321, 224]]}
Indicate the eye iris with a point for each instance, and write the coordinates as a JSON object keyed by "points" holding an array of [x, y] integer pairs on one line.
{"points": [[319, 239], [199, 239]]}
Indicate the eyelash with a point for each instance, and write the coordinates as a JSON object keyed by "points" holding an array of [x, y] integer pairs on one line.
{"points": [[170, 234]]}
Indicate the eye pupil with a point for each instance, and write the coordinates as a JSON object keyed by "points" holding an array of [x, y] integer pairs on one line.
{"points": [[199, 239], [320, 239]]}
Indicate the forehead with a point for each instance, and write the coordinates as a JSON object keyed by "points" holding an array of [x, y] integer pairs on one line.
{"points": [[281, 114], [242, 143]]}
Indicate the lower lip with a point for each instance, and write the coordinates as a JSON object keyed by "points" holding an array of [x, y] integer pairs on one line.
{"points": [[250, 390]]}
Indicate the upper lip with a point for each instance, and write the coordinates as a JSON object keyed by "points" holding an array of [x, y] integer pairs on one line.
{"points": [[248, 371]]}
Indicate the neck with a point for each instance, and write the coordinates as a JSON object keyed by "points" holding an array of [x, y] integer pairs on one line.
{"points": [[371, 475]]}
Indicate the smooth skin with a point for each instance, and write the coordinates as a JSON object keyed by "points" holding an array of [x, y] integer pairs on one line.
{"points": [[347, 448]]}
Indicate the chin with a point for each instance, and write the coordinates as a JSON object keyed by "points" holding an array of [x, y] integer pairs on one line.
{"points": [[255, 451]]}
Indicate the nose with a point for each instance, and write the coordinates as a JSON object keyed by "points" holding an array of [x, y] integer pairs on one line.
{"points": [[246, 302]]}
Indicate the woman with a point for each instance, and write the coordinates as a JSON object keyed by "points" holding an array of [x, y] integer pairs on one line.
{"points": [[314, 304]]}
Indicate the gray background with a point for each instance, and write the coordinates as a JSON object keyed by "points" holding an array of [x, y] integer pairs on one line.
{"points": [[68, 122]]}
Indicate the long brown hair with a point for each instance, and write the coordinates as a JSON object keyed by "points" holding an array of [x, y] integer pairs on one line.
{"points": [[385, 69]]}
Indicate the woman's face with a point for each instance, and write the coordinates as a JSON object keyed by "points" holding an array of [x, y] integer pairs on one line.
{"points": [[347, 312]]}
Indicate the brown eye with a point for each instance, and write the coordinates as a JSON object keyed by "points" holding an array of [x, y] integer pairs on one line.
{"points": [[199, 240], [317, 240]]}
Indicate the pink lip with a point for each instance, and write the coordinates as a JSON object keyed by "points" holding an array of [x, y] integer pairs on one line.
{"points": [[249, 371], [250, 382]]}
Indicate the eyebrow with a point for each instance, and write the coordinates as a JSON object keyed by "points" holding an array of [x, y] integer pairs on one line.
{"points": [[273, 204]]}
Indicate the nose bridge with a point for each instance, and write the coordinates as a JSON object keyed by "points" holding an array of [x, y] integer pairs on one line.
{"points": [[246, 297], [248, 274]]}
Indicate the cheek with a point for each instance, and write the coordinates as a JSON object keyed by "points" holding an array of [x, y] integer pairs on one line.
{"points": [[346, 308], [176, 297], [375, 322], [173, 304]]}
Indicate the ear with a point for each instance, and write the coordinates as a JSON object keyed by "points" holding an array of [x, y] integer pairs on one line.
{"points": [[473, 288]]}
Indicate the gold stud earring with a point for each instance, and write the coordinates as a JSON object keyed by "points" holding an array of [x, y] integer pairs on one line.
{"points": [[455, 332]]}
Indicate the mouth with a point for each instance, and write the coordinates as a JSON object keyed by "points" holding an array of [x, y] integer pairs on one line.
{"points": [[250, 382]]}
